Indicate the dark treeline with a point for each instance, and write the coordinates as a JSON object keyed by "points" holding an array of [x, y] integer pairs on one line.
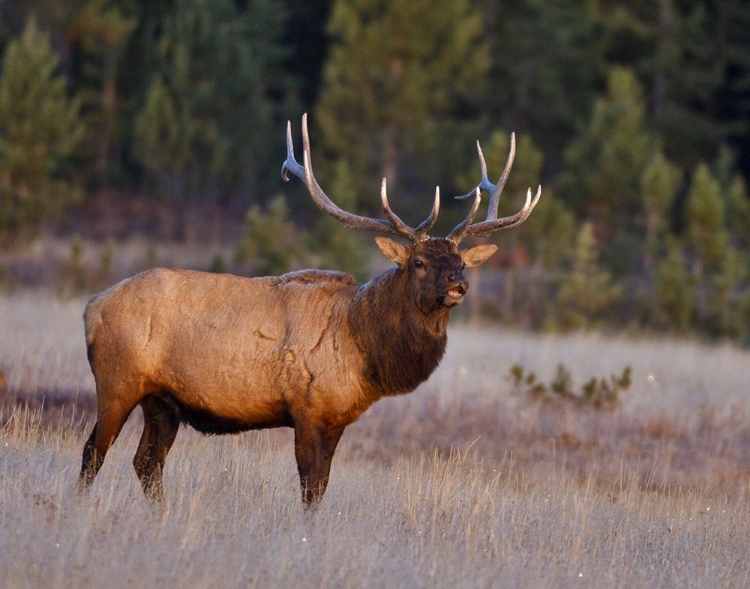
{"points": [[634, 116]]}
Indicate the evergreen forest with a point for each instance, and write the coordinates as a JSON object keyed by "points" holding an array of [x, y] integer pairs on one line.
{"points": [[633, 116]]}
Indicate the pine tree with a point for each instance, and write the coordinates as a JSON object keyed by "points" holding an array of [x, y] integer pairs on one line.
{"points": [[693, 71], [673, 49], [604, 165], [587, 290], [550, 237], [396, 74], [708, 239], [729, 300], [101, 29], [734, 190], [338, 246], [673, 289], [547, 61], [209, 122], [40, 130], [738, 213], [730, 274], [733, 25], [704, 215], [659, 183]]}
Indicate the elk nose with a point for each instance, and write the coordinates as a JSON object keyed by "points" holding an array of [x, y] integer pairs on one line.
{"points": [[456, 276], [457, 281], [456, 286]]}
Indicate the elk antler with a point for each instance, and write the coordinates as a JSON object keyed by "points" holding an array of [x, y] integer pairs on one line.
{"points": [[492, 223], [393, 225]]}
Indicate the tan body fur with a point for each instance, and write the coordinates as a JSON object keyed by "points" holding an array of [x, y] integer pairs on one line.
{"points": [[253, 352]]}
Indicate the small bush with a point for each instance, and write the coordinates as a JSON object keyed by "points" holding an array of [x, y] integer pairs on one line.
{"points": [[599, 393], [78, 276], [272, 244], [218, 266]]}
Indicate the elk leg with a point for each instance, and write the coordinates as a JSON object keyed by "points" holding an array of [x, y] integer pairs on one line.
{"points": [[332, 439], [90, 463], [105, 432], [310, 452], [160, 425], [314, 447]]}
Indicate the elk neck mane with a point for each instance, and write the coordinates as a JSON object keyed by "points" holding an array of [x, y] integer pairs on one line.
{"points": [[401, 344]]}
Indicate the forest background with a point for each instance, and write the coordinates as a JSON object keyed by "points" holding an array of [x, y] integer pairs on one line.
{"points": [[162, 121]]}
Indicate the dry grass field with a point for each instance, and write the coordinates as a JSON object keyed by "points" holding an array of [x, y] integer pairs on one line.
{"points": [[463, 483]]}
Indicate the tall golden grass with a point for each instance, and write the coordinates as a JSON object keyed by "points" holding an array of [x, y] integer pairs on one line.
{"points": [[460, 484]]}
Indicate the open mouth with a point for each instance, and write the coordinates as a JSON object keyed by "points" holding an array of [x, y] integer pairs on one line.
{"points": [[453, 296]]}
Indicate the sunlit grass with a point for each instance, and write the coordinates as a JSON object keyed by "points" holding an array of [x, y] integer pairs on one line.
{"points": [[460, 484]]}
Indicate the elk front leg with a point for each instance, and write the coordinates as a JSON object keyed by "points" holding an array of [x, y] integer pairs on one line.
{"points": [[314, 446], [332, 439]]}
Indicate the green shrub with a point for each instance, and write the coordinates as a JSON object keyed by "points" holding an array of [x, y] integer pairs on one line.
{"points": [[598, 393]]}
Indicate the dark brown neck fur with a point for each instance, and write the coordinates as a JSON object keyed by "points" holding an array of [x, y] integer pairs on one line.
{"points": [[401, 344]]}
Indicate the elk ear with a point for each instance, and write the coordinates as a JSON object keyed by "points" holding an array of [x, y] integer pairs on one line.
{"points": [[479, 254], [393, 250]]}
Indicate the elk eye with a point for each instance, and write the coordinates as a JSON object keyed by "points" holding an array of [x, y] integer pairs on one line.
{"points": [[418, 264]]}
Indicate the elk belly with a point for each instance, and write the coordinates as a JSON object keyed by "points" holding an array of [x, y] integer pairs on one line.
{"points": [[223, 393], [257, 415]]}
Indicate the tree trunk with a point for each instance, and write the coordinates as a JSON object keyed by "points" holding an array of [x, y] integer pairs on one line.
{"points": [[664, 29]]}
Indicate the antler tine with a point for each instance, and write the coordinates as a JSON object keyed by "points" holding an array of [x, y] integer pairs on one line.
{"points": [[487, 227], [402, 228], [393, 226], [492, 223], [495, 198], [427, 224], [485, 183], [290, 164], [458, 231], [494, 190]]}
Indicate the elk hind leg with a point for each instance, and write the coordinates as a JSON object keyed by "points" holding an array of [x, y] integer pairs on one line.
{"points": [[108, 426], [161, 420]]}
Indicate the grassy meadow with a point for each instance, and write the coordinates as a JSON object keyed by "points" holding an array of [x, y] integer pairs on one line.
{"points": [[464, 483]]}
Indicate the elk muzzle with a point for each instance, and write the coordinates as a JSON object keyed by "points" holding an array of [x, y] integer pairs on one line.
{"points": [[454, 289]]}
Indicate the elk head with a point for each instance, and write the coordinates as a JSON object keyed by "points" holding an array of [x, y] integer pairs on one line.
{"points": [[434, 268], [428, 260]]}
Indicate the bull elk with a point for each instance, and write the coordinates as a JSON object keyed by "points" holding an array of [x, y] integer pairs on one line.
{"points": [[310, 350]]}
